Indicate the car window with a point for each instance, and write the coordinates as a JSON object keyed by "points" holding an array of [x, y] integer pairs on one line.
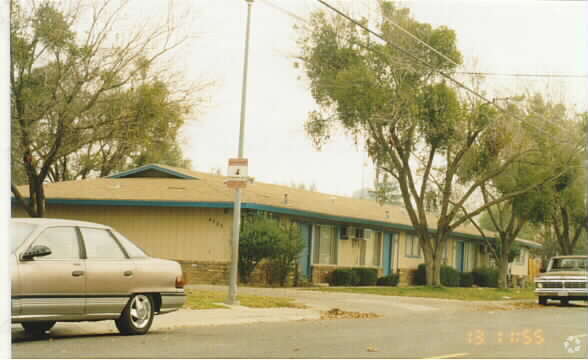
{"points": [[568, 264], [19, 232], [100, 244], [63, 242], [132, 249]]}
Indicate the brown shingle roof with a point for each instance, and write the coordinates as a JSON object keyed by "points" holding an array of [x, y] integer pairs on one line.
{"points": [[211, 188]]}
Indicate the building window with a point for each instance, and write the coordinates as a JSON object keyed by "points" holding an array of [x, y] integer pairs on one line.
{"points": [[412, 248], [359, 233], [325, 245], [520, 260], [344, 233], [377, 251]]}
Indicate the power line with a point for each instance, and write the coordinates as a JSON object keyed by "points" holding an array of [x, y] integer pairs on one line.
{"points": [[416, 58], [407, 53], [416, 38], [579, 76]]}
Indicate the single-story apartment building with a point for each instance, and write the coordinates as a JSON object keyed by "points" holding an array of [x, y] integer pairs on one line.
{"points": [[186, 216]]}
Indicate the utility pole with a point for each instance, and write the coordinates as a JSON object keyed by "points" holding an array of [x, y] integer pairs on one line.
{"points": [[233, 275]]}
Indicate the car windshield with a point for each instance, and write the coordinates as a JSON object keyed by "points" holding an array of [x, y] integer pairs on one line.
{"points": [[569, 264], [18, 233]]}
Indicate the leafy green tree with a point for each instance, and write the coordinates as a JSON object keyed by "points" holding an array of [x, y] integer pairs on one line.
{"points": [[283, 259], [145, 121], [548, 127], [85, 102], [258, 240], [435, 143], [568, 215]]}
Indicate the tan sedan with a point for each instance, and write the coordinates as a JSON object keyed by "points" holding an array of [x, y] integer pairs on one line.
{"points": [[63, 270]]}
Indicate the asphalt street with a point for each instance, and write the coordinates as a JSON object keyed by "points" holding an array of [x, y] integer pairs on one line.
{"points": [[408, 328]]}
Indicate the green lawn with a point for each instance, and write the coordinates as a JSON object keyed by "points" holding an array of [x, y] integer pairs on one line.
{"points": [[204, 299], [440, 292]]}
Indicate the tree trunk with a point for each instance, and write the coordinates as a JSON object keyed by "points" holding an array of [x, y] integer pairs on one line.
{"points": [[502, 265], [433, 265]]}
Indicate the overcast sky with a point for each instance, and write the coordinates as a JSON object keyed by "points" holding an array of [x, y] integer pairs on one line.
{"points": [[546, 37]]}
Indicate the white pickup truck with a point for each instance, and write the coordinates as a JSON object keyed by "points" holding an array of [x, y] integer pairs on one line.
{"points": [[564, 280]]}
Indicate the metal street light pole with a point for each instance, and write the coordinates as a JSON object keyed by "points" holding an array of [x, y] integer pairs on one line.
{"points": [[232, 298]]}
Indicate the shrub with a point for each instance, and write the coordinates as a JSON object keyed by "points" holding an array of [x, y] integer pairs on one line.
{"points": [[420, 276], [366, 276], [466, 279], [286, 250], [341, 277], [449, 276], [354, 278], [389, 280], [257, 241], [485, 277]]}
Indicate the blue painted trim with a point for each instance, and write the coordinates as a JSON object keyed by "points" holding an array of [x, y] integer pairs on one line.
{"points": [[151, 167]]}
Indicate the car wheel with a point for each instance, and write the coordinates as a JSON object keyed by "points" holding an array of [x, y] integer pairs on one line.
{"points": [[37, 327], [564, 302], [542, 300], [137, 316]]}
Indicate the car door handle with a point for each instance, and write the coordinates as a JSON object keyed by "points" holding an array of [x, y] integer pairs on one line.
{"points": [[77, 273], [128, 273]]}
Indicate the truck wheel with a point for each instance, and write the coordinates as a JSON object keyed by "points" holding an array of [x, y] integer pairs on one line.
{"points": [[137, 317], [542, 300], [37, 327]]}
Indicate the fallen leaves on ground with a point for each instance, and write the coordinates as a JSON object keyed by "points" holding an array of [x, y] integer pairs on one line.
{"points": [[337, 313]]}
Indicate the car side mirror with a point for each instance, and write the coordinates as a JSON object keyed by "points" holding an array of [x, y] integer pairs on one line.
{"points": [[35, 251]]}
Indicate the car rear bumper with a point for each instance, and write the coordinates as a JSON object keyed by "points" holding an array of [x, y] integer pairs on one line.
{"points": [[172, 301]]}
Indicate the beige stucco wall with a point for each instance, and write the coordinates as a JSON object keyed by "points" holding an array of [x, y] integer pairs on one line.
{"points": [[522, 268], [190, 234]]}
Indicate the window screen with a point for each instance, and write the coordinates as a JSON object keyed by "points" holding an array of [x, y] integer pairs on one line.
{"points": [[325, 245], [412, 246]]}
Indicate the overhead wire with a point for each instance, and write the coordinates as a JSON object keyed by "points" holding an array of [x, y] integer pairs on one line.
{"points": [[412, 56], [416, 58]]}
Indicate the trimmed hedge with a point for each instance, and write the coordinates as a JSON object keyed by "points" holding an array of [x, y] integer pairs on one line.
{"points": [[449, 276], [466, 279], [420, 276], [390, 280], [366, 276], [485, 277], [344, 277], [340, 277]]}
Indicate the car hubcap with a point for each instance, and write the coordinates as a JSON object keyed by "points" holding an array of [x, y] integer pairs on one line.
{"points": [[140, 311]]}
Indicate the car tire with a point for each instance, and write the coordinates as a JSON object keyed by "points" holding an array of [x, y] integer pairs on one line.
{"points": [[543, 300], [37, 327], [564, 302], [137, 317]]}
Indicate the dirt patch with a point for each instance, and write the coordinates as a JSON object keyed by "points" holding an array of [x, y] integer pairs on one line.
{"points": [[335, 314]]}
